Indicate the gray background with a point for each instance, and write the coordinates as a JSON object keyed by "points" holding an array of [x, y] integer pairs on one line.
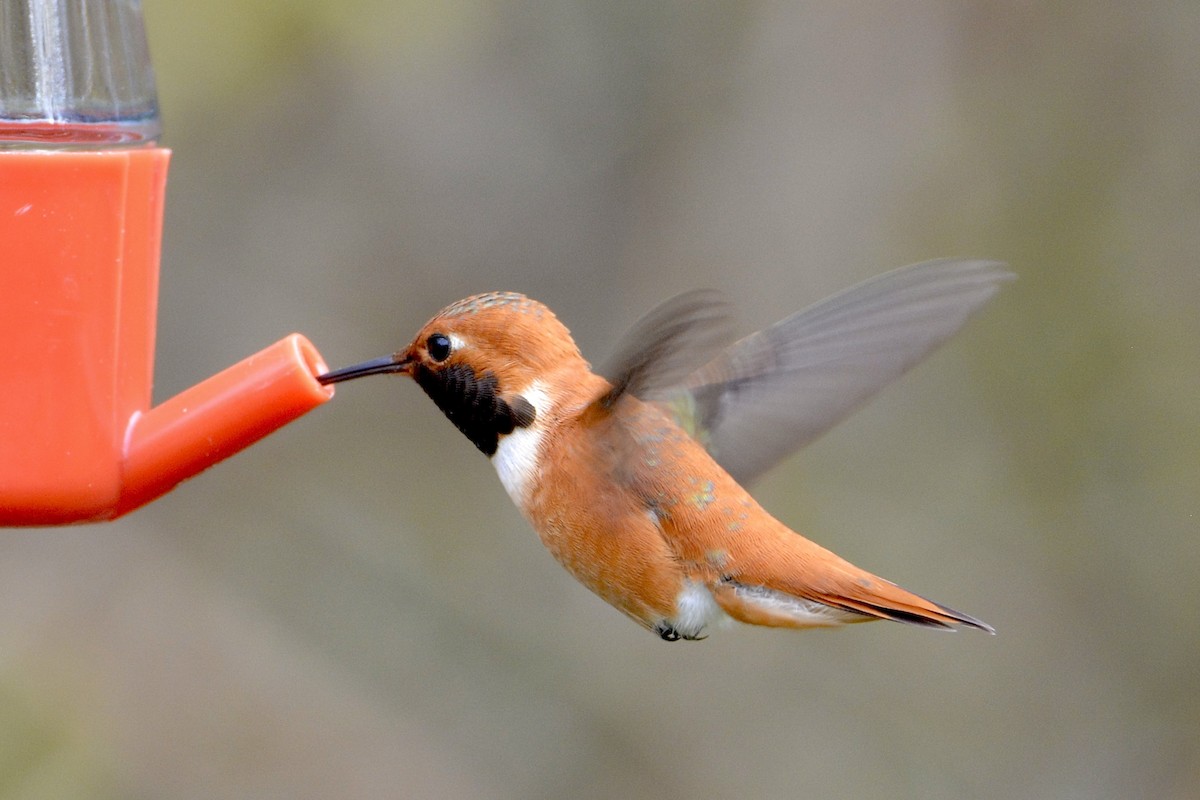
{"points": [[353, 608]]}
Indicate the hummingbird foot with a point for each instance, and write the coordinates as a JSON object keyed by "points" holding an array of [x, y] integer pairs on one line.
{"points": [[666, 632]]}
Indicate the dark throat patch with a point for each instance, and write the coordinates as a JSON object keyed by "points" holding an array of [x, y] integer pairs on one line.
{"points": [[473, 403]]}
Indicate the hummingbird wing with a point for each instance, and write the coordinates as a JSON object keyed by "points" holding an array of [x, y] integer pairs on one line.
{"points": [[775, 391], [667, 344]]}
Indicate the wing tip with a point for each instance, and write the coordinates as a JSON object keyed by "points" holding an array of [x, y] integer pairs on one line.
{"points": [[968, 621], [960, 274], [947, 619], [989, 266], [952, 620], [924, 613]]}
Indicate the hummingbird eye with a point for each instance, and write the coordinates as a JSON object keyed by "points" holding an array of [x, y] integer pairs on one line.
{"points": [[438, 346]]}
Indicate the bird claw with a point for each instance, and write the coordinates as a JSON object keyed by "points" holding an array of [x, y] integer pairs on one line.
{"points": [[667, 633]]}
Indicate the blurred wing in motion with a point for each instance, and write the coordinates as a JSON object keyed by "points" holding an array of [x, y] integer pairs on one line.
{"points": [[776, 390], [667, 344]]}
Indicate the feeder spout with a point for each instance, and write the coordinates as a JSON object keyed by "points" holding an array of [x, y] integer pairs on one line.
{"points": [[219, 417]]}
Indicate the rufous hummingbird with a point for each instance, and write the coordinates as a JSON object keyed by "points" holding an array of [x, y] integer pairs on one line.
{"points": [[633, 478]]}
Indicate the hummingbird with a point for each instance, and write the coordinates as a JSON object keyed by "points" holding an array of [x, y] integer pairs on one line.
{"points": [[633, 477]]}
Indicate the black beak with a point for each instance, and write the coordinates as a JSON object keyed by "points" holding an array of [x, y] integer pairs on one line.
{"points": [[376, 366]]}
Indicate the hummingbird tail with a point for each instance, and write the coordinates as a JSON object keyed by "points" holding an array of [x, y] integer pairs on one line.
{"points": [[867, 601], [901, 605]]}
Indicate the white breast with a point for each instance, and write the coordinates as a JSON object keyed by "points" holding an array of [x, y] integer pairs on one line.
{"points": [[518, 455]]}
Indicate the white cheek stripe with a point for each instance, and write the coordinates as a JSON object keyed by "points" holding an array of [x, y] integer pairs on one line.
{"points": [[518, 455], [456, 342]]}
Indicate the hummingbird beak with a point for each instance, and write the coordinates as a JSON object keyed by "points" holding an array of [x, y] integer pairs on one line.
{"points": [[376, 366]]}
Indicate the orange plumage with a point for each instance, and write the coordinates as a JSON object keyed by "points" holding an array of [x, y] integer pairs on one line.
{"points": [[626, 478]]}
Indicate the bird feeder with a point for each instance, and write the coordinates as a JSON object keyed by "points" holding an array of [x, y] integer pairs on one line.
{"points": [[81, 206]]}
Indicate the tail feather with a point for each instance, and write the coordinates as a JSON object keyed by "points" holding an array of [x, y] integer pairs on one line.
{"points": [[927, 613], [761, 605]]}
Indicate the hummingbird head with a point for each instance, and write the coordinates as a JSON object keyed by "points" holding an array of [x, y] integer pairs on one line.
{"points": [[477, 358]]}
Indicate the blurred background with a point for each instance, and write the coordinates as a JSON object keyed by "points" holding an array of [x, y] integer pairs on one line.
{"points": [[353, 607]]}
